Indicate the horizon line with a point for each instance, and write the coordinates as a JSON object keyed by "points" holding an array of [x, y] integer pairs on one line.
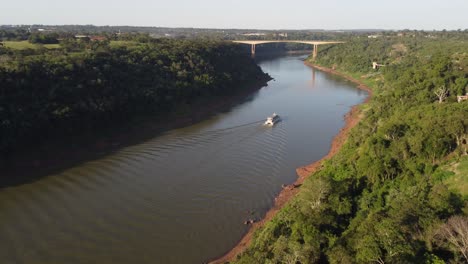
{"points": [[234, 28]]}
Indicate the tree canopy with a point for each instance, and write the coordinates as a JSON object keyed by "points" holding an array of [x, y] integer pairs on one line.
{"points": [[85, 85], [383, 197]]}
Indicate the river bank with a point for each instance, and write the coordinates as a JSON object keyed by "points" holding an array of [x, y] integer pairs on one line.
{"points": [[352, 118], [184, 190], [52, 157]]}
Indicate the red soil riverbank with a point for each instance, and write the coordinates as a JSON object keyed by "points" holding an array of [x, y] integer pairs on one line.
{"points": [[352, 118]]}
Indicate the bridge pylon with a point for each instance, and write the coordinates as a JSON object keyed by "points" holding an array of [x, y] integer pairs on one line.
{"points": [[315, 51]]}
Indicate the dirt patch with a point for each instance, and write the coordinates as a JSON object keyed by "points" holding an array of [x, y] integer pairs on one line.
{"points": [[352, 118], [400, 47]]}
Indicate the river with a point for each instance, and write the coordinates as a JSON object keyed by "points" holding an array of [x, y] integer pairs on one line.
{"points": [[181, 197]]}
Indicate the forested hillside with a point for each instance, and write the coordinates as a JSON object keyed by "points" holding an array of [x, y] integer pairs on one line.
{"points": [[396, 192], [84, 85]]}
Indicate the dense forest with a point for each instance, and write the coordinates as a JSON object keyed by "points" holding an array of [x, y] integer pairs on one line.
{"points": [[22, 32], [83, 85], [397, 190]]}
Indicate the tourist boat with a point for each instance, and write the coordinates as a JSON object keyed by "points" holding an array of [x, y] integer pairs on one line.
{"points": [[271, 120]]}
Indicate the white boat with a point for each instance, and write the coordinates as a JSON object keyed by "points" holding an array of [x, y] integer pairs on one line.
{"points": [[271, 120]]}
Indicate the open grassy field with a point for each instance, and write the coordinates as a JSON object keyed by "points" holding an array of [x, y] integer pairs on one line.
{"points": [[459, 180], [21, 45], [26, 45], [122, 43]]}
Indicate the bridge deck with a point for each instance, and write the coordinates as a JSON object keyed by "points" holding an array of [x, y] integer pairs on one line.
{"points": [[315, 43], [310, 42]]}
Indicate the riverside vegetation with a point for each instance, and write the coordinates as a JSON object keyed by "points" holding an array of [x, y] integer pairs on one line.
{"points": [[83, 86], [396, 191]]}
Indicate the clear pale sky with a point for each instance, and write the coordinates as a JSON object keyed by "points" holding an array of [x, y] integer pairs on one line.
{"points": [[259, 14]]}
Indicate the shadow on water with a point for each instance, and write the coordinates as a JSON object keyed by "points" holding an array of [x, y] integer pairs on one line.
{"points": [[271, 56], [55, 157]]}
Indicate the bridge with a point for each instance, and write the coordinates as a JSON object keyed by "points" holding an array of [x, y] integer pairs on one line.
{"points": [[314, 43]]}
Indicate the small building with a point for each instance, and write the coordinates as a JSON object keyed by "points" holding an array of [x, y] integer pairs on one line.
{"points": [[461, 98], [376, 66]]}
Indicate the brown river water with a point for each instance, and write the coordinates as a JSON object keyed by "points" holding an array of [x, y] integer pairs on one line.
{"points": [[181, 197]]}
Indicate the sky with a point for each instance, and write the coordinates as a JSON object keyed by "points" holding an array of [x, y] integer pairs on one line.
{"points": [[244, 14]]}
